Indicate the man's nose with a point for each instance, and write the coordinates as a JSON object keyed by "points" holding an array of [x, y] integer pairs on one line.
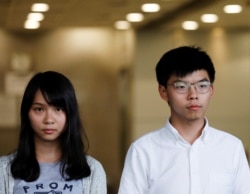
{"points": [[192, 92]]}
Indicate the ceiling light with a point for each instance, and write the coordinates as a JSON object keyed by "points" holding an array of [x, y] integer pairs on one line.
{"points": [[135, 17], [232, 9], [150, 7], [35, 16], [31, 24], [40, 7], [209, 18], [190, 25], [122, 25]]}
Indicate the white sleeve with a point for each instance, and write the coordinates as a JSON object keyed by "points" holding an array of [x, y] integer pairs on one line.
{"points": [[242, 179], [134, 177]]}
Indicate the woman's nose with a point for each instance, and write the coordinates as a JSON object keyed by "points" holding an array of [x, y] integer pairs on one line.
{"points": [[49, 117]]}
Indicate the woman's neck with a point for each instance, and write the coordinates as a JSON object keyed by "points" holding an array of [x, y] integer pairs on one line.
{"points": [[48, 152]]}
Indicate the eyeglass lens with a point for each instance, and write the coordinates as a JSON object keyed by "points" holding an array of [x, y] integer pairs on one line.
{"points": [[183, 87]]}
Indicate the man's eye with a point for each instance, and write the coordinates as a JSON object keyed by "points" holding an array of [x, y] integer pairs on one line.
{"points": [[180, 85], [203, 85]]}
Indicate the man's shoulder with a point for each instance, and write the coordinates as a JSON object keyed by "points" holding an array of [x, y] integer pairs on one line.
{"points": [[149, 137], [223, 135]]}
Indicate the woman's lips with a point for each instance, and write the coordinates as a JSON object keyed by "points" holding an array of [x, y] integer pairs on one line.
{"points": [[48, 131]]}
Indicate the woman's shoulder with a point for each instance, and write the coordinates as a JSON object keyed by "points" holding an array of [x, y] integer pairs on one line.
{"points": [[92, 162], [96, 182], [95, 166], [5, 159]]}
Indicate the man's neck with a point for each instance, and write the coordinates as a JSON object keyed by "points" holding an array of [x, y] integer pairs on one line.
{"points": [[189, 130]]}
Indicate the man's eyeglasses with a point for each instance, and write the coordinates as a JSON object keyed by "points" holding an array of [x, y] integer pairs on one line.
{"points": [[182, 87]]}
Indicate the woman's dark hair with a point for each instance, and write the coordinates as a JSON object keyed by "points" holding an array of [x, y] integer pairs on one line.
{"points": [[58, 91], [182, 61]]}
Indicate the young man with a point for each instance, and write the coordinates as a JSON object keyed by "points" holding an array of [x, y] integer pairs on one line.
{"points": [[187, 155]]}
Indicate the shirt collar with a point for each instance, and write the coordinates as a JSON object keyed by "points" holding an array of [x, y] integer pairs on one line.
{"points": [[205, 135], [176, 137]]}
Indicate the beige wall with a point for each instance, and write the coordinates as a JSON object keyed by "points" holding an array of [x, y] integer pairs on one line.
{"points": [[98, 62], [230, 106]]}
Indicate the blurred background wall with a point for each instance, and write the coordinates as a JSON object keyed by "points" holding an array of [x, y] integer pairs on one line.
{"points": [[113, 74]]}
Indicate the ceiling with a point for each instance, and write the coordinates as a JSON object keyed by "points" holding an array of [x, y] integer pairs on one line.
{"points": [[92, 13]]}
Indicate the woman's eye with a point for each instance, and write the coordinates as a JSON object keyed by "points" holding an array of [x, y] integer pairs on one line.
{"points": [[59, 109], [38, 109]]}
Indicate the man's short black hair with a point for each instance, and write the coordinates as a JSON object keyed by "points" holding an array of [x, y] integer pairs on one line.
{"points": [[182, 61]]}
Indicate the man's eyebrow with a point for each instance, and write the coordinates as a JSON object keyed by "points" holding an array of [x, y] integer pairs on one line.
{"points": [[178, 80], [204, 79], [181, 80]]}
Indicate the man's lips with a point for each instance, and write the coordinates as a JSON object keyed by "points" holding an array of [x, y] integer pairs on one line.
{"points": [[193, 107]]}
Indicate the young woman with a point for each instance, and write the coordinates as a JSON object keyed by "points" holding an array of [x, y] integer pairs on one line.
{"points": [[51, 154]]}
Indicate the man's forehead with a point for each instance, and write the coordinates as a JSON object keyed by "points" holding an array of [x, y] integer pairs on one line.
{"points": [[194, 76]]}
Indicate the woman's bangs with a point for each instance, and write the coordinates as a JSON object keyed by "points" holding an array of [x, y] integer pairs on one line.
{"points": [[54, 98]]}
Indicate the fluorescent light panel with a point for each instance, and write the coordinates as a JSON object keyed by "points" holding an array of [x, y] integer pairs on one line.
{"points": [[40, 7], [231, 9], [190, 25], [35, 16], [31, 24], [209, 18], [150, 7], [135, 17]]}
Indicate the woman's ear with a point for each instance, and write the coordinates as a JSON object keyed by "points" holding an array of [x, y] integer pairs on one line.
{"points": [[163, 92]]}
